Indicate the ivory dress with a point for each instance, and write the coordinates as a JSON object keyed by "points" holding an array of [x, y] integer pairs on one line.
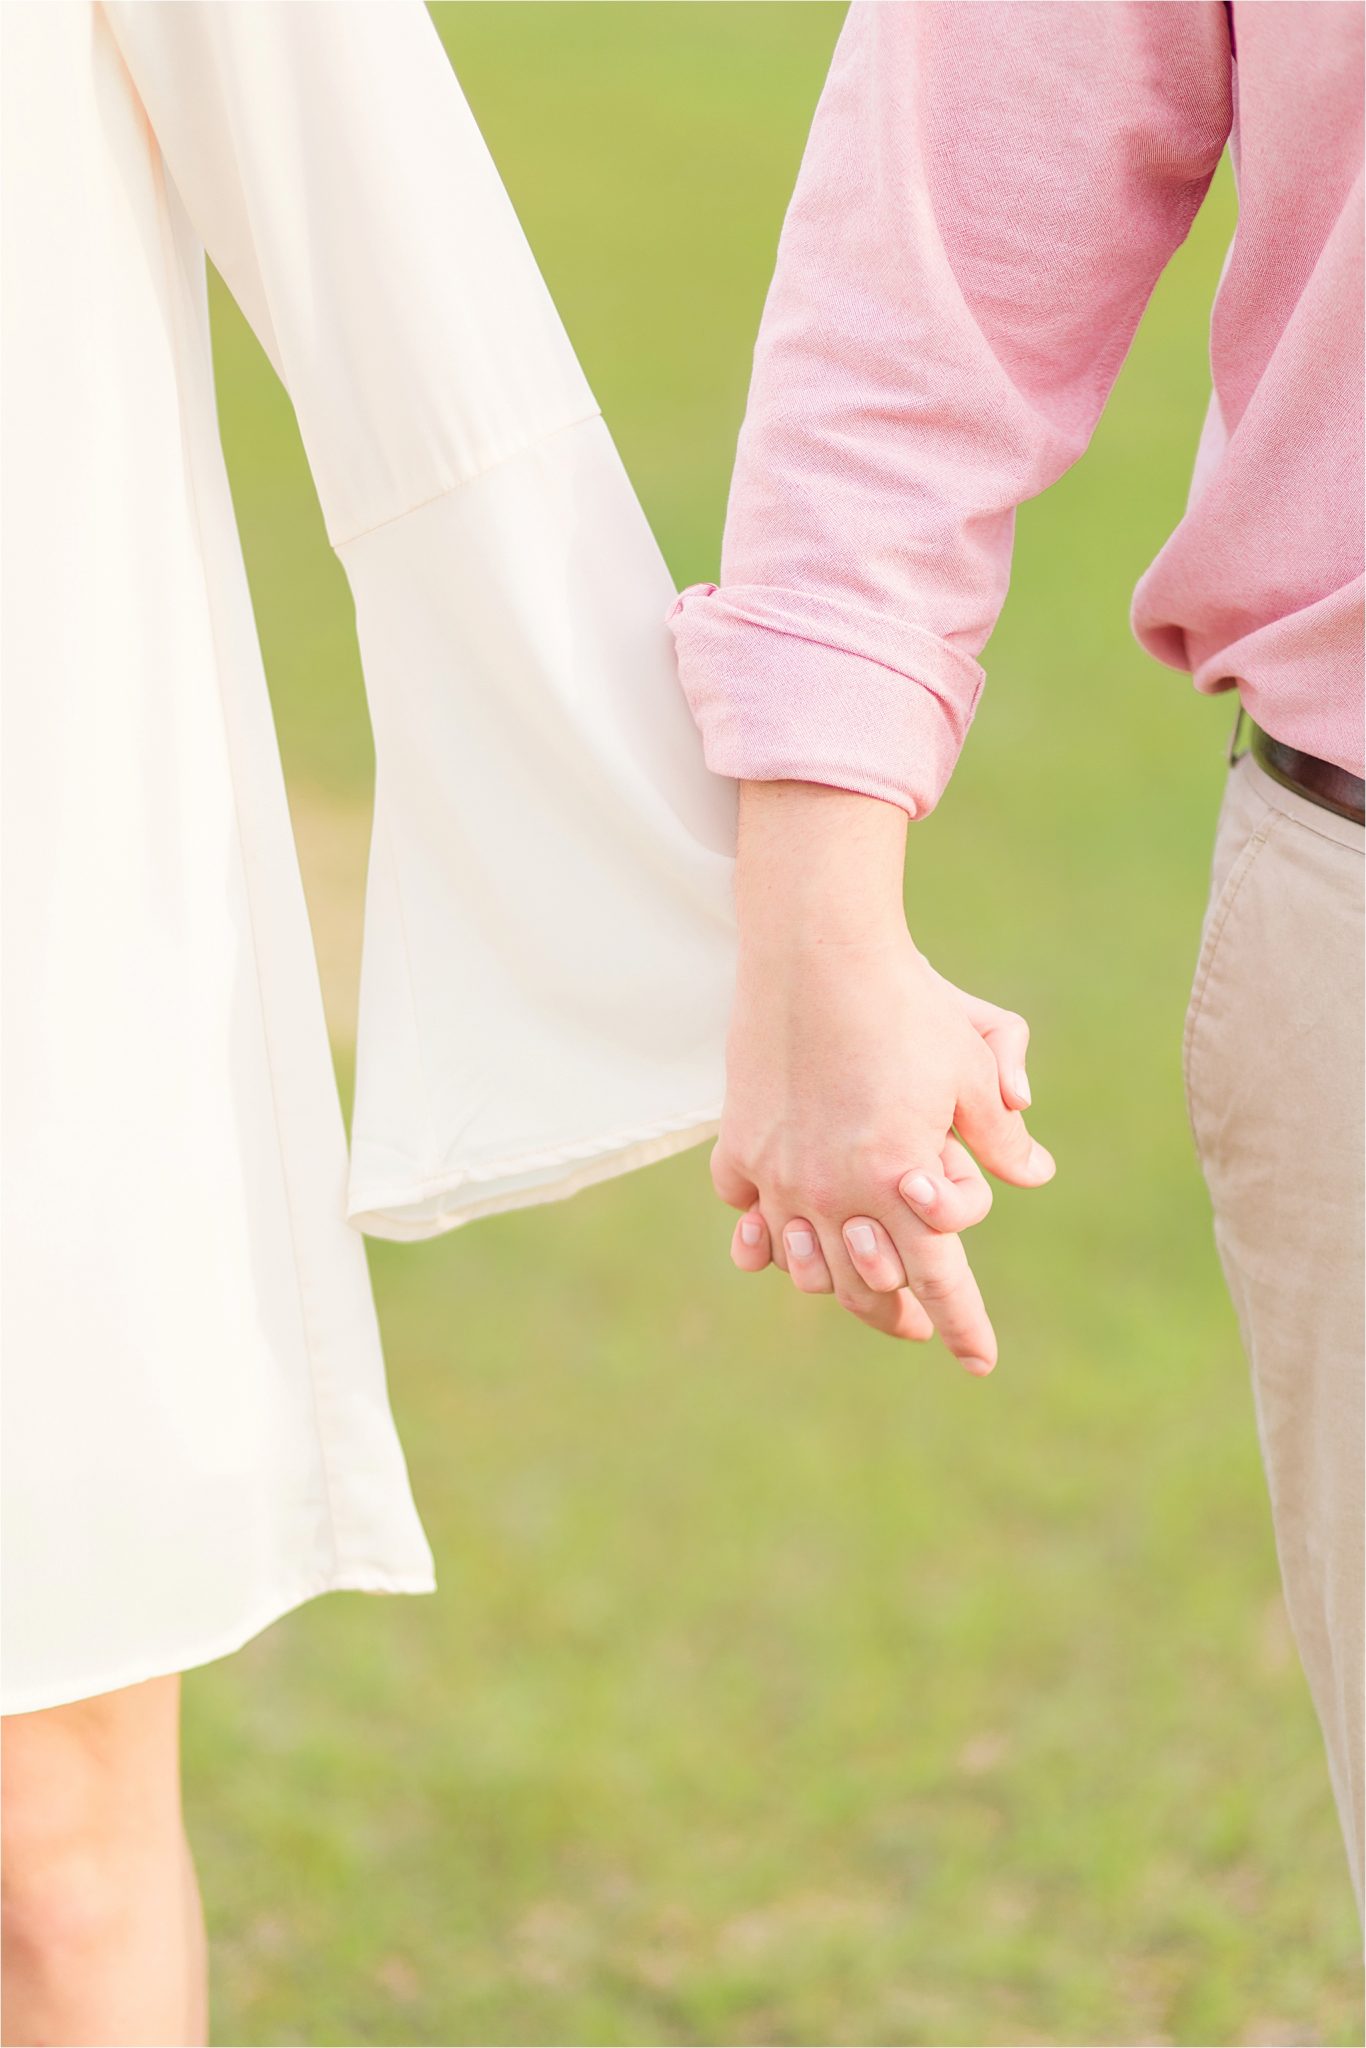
{"points": [[197, 1435]]}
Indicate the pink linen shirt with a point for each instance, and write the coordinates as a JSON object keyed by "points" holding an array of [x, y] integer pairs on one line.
{"points": [[988, 196]]}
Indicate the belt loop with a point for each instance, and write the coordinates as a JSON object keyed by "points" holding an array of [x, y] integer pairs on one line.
{"points": [[1234, 757]]}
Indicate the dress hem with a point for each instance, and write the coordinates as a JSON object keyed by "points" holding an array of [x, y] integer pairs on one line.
{"points": [[37, 1699]]}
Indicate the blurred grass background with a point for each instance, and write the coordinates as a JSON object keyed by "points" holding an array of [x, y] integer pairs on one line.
{"points": [[783, 1686]]}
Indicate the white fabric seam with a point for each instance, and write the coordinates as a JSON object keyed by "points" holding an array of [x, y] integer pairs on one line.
{"points": [[463, 482]]}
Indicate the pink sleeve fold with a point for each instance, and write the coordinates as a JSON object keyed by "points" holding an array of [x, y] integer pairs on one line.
{"points": [[988, 195], [788, 685]]}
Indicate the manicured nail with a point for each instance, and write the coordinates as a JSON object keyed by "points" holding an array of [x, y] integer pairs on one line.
{"points": [[1041, 1163], [751, 1231], [861, 1239], [801, 1243], [977, 1366], [920, 1189], [1019, 1086]]}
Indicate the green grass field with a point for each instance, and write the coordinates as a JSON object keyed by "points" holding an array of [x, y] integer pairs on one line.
{"points": [[785, 1686]]}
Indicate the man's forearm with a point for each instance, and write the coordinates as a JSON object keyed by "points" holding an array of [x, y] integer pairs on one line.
{"points": [[850, 1065], [817, 867]]}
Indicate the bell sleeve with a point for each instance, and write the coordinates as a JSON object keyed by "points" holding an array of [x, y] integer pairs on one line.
{"points": [[549, 933]]}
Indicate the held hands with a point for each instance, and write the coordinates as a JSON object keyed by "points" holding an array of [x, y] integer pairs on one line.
{"points": [[851, 1066]]}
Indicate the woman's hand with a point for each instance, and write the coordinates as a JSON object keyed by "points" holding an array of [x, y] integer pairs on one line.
{"points": [[850, 1065]]}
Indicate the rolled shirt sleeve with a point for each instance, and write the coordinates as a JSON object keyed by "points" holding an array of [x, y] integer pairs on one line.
{"points": [[988, 195]]}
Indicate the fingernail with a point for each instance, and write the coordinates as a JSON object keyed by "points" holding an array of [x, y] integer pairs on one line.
{"points": [[801, 1243], [751, 1231], [977, 1366], [1019, 1085], [1041, 1163], [861, 1239], [920, 1189]]}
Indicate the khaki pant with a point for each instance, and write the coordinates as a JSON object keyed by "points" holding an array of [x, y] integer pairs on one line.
{"points": [[1274, 1078]]}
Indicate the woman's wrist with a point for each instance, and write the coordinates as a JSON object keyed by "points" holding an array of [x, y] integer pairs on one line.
{"points": [[818, 866]]}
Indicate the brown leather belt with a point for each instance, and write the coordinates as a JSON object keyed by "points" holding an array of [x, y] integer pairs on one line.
{"points": [[1322, 782]]}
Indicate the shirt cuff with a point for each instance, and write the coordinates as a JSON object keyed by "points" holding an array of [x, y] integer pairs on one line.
{"points": [[786, 687]]}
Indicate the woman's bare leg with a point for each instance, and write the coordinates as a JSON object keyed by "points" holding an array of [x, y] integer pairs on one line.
{"points": [[103, 1941]]}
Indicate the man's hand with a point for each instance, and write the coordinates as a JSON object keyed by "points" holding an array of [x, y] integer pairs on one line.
{"points": [[851, 1065]]}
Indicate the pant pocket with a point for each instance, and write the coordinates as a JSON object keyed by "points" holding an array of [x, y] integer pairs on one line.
{"points": [[1234, 862]]}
